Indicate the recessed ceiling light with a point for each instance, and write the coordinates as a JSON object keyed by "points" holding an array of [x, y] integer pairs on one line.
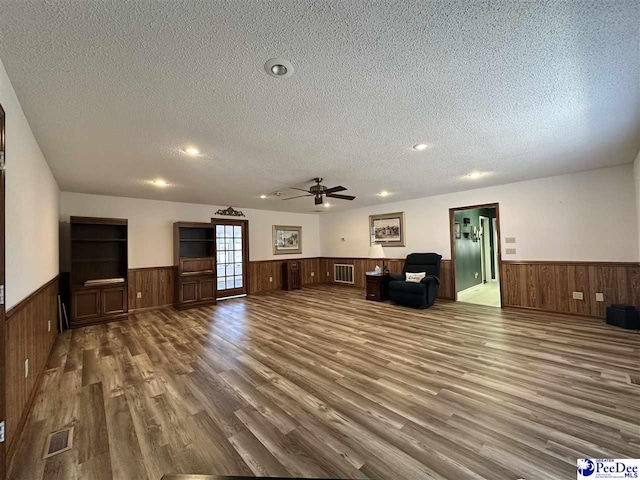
{"points": [[278, 67], [193, 151], [327, 205], [160, 183], [384, 193], [420, 146], [263, 196], [475, 175]]}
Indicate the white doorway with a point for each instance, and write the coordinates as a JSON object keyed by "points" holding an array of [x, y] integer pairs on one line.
{"points": [[486, 253]]}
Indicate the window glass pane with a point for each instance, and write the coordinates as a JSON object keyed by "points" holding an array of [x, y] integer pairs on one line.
{"points": [[221, 270], [230, 282], [237, 256], [219, 230], [237, 244], [238, 269], [220, 243], [228, 230], [222, 257], [237, 232], [229, 270], [228, 243], [221, 284], [238, 282]]}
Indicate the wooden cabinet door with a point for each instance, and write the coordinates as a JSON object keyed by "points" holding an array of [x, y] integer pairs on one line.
{"points": [[114, 301], [189, 291], [207, 289], [295, 276], [86, 304]]}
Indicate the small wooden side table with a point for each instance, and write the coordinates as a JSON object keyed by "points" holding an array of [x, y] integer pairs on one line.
{"points": [[378, 287]]}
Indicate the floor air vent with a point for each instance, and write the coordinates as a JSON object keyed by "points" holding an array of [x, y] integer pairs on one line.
{"points": [[58, 442], [343, 273]]}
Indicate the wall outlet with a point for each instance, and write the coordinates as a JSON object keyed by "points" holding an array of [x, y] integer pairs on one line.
{"points": [[328, 274], [313, 274], [578, 296], [26, 368], [49, 326], [509, 239], [139, 295], [270, 279], [510, 251], [599, 297]]}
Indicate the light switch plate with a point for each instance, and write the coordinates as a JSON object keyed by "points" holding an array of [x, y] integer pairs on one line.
{"points": [[313, 274], [510, 251], [599, 297], [270, 279], [139, 295], [578, 296], [49, 326], [509, 239], [26, 368]]}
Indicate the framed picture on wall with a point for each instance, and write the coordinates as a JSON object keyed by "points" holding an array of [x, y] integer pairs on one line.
{"points": [[456, 230], [287, 240], [387, 229]]}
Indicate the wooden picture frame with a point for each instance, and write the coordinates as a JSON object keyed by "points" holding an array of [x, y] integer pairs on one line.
{"points": [[286, 239], [387, 229]]}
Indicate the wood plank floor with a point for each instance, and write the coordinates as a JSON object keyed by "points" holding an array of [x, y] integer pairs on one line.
{"points": [[320, 383]]}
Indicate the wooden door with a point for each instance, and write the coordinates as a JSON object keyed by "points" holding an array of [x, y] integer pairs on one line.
{"points": [[86, 305], [2, 304], [206, 289], [113, 301], [189, 291], [232, 257]]}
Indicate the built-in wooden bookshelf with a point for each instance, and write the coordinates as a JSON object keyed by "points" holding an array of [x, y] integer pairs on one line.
{"points": [[195, 257], [99, 267]]}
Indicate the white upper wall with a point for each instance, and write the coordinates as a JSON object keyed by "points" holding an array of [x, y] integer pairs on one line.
{"points": [[586, 216], [151, 226], [31, 205], [636, 176]]}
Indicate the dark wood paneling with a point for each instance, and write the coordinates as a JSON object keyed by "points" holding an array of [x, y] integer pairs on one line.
{"points": [[320, 270], [550, 285], [156, 285], [28, 337], [539, 285]]}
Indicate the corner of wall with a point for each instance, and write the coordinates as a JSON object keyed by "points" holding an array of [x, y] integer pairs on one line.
{"points": [[636, 177]]}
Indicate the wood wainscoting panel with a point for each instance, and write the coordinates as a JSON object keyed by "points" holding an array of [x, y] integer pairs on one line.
{"points": [[157, 285], [550, 285], [28, 337]]}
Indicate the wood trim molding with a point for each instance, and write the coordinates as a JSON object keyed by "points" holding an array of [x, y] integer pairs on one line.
{"points": [[28, 299], [571, 262]]}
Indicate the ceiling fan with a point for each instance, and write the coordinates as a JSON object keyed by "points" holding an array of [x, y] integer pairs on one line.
{"points": [[319, 190]]}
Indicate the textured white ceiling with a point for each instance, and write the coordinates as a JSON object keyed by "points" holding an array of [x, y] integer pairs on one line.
{"points": [[518, 89]]}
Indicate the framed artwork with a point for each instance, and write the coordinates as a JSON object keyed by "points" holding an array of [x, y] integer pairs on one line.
{"points": [[456, 230], [387, 229], [287, 240]]}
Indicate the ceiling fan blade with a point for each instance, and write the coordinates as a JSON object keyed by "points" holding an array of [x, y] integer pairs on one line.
{"points": [[299, 196], [319, 200], [341, 197], [335, 189], [296, 188]]}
